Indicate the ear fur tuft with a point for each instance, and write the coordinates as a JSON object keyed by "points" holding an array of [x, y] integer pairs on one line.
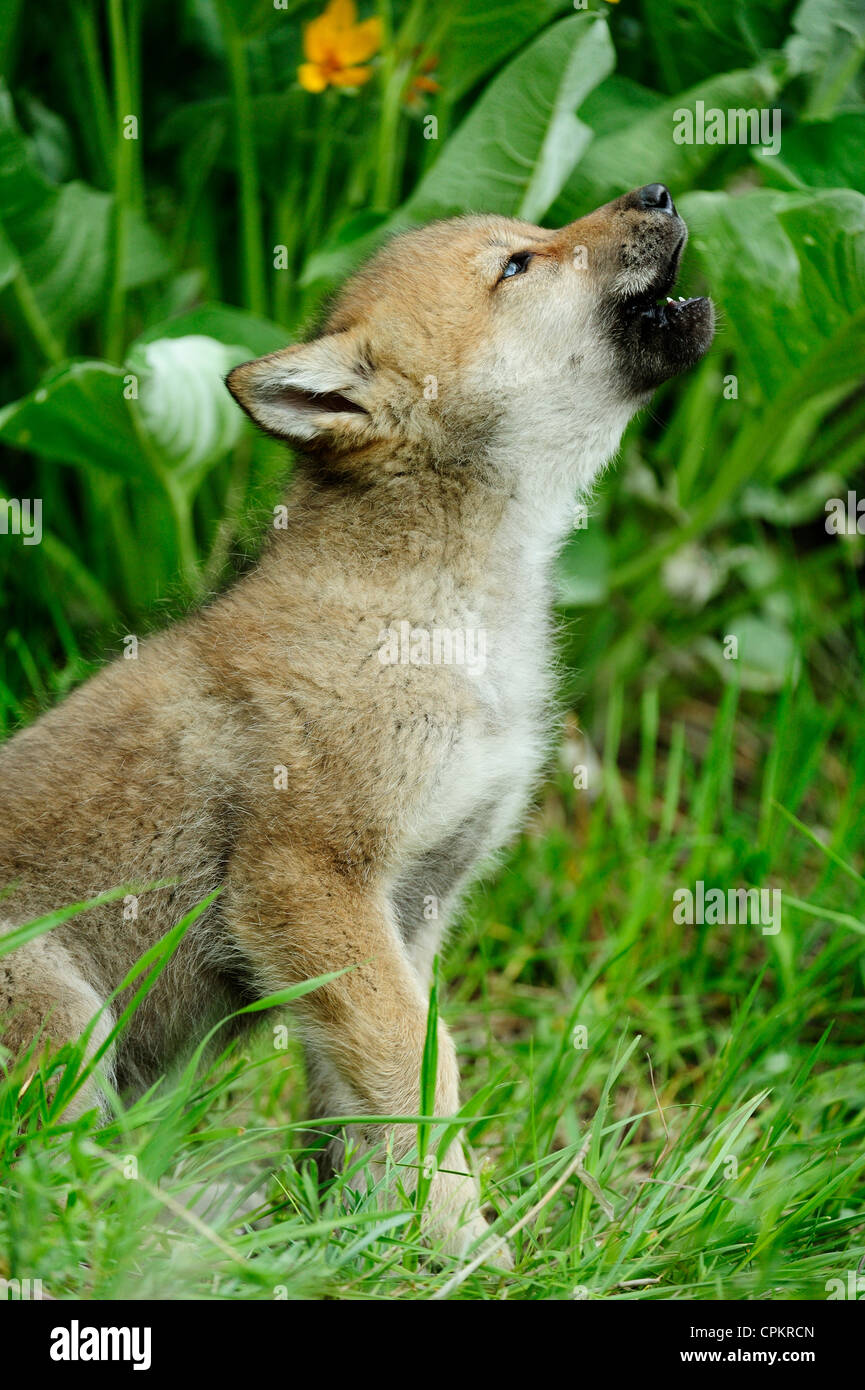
{"points": [[311, 392]]}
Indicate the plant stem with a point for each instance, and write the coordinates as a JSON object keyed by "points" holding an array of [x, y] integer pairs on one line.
{"points": [[828, 93], [287, 227], [134, 41], [123, 180], [316, 189], [391, 81], [181, 509], [43, 335], [255, 291], [100, 106], [180, 501]]}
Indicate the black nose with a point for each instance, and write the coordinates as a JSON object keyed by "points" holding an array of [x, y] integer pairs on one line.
{"points": [[656, 195]]}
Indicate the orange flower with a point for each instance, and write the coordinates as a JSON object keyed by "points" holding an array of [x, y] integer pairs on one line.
{"points": [[422, 82], [335, 45]]}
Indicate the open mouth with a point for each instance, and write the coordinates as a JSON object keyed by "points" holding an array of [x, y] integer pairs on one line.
{"points": [[663, 311], [658, 335], [655, 304]]}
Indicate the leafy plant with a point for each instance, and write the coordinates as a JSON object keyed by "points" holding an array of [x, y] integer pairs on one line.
{"points": [[179, 191]]}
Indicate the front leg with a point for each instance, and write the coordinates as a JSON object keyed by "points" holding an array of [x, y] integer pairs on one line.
{"points": [[364, 1032]]}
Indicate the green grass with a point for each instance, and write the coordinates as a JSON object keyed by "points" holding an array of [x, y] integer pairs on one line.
{"points": [[712, 1122]]}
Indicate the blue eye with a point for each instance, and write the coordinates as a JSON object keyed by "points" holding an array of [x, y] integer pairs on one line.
{"points": [[516, 265]]}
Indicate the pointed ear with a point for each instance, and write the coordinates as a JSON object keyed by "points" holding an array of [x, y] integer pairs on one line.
{"points": [[315, 391]]}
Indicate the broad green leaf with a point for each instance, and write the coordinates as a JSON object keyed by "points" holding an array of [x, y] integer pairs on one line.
{"points": [[616, 103], [184, 405], [62, 233], [788, 271], [827, 47], [646, 151], [50, 139], [515, 148], [63, 243], [23, 186], [688, 42], [78, 415], [180, 422], [821, 154], [477, 38], [224, 323]]}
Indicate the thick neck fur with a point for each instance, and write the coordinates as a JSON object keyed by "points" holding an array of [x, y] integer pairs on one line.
{"points": [[476, 527]]}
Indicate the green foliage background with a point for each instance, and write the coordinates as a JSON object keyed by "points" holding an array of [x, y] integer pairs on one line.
{"points": [[155, 257], [110, 247]]}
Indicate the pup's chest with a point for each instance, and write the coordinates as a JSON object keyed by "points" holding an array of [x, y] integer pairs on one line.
{"points": [[486, 762]]}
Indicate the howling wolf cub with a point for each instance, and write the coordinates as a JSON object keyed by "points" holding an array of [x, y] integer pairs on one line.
{"points": [[324, 743]]}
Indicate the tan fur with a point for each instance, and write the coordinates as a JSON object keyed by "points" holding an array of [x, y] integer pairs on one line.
{"points": [[439, 507]]}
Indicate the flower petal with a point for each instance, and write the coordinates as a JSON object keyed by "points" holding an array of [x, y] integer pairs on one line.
{"points": [[351, 77], [311, 77], [318, 39], [360, 42], [341, 13]]}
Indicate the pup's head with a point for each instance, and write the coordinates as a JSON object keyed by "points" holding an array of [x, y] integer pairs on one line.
{"points": [[492, 340]]}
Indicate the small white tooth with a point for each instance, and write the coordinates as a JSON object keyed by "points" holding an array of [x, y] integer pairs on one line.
{"points": [[681, 299], [670, 301]]}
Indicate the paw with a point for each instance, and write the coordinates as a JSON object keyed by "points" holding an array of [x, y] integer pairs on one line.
{"points": [[495, 1250], [455, 1225]]}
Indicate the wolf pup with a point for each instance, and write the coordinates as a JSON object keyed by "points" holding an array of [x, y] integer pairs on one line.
{"points": [[342, 738]]}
